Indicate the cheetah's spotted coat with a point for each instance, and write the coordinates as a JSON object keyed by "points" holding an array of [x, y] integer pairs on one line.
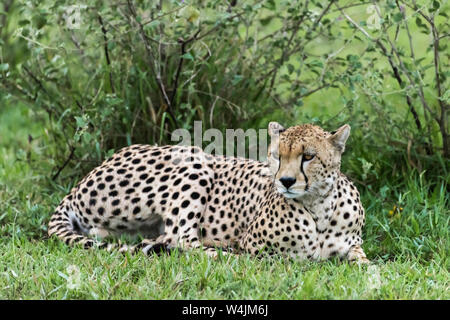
{"points": [[298, 204]]}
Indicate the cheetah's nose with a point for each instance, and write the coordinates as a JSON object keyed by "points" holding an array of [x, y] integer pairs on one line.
{"points": [[287, 181]]}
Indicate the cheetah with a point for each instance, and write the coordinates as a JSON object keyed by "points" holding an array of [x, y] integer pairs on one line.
{"points": [[296, 204]]}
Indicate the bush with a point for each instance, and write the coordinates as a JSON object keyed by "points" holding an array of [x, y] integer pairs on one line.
{"points": [[133, 71]]}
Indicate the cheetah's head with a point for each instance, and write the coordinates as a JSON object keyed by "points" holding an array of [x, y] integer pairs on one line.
{"points": [[305, 159]]}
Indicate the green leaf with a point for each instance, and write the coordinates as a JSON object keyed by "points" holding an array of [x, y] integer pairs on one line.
{"points": [[152, 24], [81, 122], [398, 17], [237, 79], [290, 68], [187, 56], [419, 22], [4, 67], [415, 225], [265, 21], [436, 6]]}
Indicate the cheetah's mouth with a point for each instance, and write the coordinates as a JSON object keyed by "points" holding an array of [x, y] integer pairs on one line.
{"points": [[296, 191], [290, 195]]}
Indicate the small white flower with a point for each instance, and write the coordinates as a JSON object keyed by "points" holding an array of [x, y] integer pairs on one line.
{"points": [[373, 278], [74, 277]]}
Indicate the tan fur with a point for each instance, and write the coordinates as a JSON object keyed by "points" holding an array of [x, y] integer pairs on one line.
{"points": [[181, 197]]}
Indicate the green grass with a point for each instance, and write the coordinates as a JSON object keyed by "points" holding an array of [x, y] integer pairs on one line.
{"points": [[409, 250]]}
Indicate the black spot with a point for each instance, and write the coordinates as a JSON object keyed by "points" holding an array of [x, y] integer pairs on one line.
{"points": [[195, 195], [185, 203], [162, 188], [183, 169], [124, 183], [113, 193], [136, 210]]}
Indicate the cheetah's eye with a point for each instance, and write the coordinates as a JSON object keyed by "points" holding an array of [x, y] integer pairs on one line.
{"points": [[308, 157]]}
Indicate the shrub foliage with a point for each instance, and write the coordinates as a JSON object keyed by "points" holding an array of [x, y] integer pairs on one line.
{"points": [[102, 74]]}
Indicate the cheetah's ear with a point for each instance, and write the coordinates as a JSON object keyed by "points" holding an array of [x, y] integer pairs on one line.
{"points": [[339, 137], [275, 128]]}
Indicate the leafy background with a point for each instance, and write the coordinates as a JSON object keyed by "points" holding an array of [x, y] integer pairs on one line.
{"points": [[73, 91]]}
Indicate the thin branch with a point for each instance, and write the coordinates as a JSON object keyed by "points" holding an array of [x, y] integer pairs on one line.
{"points": [[6, 7], [405, 70], [150, 58], [72, 152], [105, 46], [183, 43], [164, 14], [286, 48], [391, 63]]}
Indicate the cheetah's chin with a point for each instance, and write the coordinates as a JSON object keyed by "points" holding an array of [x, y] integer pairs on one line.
{"points": [[290, 195]]}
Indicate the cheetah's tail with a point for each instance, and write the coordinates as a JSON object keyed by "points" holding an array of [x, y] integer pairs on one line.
{"points": [[65, 225]]}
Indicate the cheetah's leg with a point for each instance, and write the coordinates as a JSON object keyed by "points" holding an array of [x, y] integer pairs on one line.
{"points": [[357, 255], [188, 238], [183, 227], [150, 246]]}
